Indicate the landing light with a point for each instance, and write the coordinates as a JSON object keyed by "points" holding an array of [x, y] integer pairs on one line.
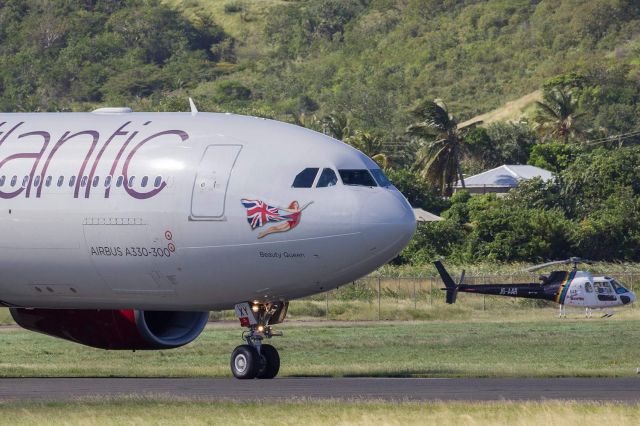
{"points": [[255, 308], [260, 328]]}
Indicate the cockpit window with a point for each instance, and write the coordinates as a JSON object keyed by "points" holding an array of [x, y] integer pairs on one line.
{"points": [[327, 178], [357, 177], [619, 288], [305, 178], [380, 177]]}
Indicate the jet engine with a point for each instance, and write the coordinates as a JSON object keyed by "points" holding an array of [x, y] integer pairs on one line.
{"points": [[115, 329]]}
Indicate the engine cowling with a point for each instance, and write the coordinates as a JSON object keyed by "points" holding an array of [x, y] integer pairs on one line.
{"points": [[115, 329]]}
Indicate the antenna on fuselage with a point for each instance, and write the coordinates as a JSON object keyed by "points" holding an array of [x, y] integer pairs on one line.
{"points": [[194, 108]]}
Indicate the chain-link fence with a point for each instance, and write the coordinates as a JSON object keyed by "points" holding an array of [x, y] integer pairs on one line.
{"points": [[422, 298]]}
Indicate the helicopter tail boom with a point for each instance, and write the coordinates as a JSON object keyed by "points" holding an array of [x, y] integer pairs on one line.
{"points": [[451, 287]]}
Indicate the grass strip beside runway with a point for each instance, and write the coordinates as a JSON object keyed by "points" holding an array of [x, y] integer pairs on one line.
{"points": [[553, 348], [129, 412]]}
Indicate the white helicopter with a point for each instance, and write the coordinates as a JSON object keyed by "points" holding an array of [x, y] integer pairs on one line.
{"points": [[567, 288]]}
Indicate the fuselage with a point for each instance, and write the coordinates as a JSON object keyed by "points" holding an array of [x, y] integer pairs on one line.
{"points": [[157, 211]]}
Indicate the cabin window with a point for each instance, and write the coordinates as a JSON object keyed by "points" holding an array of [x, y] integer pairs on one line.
{"points": [[2, 179], [83, 181], [380, 177], [604, 292], [617, 287], [305, 178], [131, 181], [119, 181], [36, 181], [145, 180], [72, 181], [107, 181], [357, 177], [47, 182], [603, 288], [60, 180], [327, 178], [588, 287], [157, 182], [14, 180], [25, 180]]}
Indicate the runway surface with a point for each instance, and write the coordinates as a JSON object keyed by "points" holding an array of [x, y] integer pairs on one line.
{"points": [[392, 389]]}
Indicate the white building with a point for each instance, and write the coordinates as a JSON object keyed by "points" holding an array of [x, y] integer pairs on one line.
{"points": [[501, 179], [424, 216]]}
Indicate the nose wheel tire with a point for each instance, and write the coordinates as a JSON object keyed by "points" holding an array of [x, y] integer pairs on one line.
{"points": [[271, 362], [245, 362]]}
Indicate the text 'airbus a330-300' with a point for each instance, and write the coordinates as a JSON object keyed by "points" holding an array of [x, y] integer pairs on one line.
{"points": [[122, 230]]}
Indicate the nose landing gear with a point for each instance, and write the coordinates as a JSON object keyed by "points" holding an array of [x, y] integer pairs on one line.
{"points": [[256, 359]]}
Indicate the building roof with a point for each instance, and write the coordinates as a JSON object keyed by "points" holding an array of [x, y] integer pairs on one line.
{"points": [[425, 216], [505, 176]]}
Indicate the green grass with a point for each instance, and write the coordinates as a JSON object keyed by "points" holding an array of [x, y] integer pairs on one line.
{"points": [[549, 348], [319, 413], [5, 317]]}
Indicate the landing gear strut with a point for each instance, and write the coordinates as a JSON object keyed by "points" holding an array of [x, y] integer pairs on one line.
{"points": [[563, 312], [256, 359]]}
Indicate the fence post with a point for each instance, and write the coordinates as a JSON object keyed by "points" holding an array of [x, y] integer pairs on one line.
{"points": [[327, 300], [379, 279], [431, 292]]}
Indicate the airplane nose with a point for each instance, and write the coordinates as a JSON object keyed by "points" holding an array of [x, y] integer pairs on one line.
{"points": [[386, 222]]}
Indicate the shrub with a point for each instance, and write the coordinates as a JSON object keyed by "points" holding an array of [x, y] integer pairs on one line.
{"points": [[233, 7]]}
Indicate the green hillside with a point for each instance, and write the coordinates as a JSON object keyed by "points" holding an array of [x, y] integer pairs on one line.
{"points": [[377, 58], [371, 58]]}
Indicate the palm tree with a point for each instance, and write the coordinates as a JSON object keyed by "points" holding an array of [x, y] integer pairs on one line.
{"points": [[557, 114], [442, 144], [337, 125], [371, 145]]}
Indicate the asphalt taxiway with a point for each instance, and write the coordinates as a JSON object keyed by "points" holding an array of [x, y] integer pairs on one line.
{"points": [[390, 389]]}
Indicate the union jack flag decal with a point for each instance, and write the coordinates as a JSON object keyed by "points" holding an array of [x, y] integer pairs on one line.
{"points": [[260, 213]]}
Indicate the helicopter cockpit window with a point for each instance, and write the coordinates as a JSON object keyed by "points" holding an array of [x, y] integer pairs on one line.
{"points": [[354, 177], [603, 287], [619, 288], [305, 178], [604, 292], [327, 178], [588, 287]]}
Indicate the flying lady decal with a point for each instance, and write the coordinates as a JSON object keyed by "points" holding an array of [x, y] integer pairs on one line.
{"points": [[260, 214]]}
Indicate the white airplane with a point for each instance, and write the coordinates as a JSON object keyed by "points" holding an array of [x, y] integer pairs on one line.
{"points": [[122, 230]]}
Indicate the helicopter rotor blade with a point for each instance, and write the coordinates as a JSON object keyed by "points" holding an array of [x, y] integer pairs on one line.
{"points": [[544, 265], [574, 260]]}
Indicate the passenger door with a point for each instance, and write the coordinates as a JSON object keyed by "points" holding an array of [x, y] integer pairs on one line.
{"points": [[212, 180]]}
